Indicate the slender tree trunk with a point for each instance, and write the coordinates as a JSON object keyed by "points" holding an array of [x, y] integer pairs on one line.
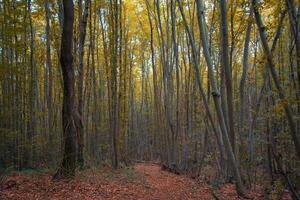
{"points": [[296, 33], [33, 89], [256, 108], [200, 86], [244, 75], [175, 63], [82, 35], [216, 98], [228, 73], [114, 8], [48, 77], [271, 65], [155, 86]]}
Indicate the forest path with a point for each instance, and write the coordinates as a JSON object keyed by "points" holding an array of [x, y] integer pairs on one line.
{"points": [[143, 181], [164, 185]]}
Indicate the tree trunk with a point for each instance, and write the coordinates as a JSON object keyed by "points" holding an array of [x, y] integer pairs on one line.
{"points": [[216, 97], [228, 73], [244, 75], [271, 65], [200, 86], [80, 129], [48, 77], [68, 165]]}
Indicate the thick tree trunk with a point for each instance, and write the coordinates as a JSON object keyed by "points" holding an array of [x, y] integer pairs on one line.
{"points": [[68, 165]]}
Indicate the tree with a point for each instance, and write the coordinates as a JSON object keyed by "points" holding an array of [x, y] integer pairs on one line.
{"points": [[68, 165], [82, 34], [48, 72], [271, 65], [216, 97]]}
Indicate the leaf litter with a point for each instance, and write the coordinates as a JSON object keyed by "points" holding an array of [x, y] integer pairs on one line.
{"points": [[142, 182]]}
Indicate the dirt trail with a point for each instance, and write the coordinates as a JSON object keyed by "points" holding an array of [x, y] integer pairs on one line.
{"points": [[165, 185]]}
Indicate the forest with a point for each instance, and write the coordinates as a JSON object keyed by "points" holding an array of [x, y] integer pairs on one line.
{"points": [[150, 99]]}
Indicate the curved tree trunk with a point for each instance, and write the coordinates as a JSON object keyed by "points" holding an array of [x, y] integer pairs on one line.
{"points": [[217, 102], [271, 65]]}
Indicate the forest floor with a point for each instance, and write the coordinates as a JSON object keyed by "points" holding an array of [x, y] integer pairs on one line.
{"points": [[144, 181]]}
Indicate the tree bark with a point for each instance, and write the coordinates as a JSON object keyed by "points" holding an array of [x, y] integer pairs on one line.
{"points": [[82, 35], [48, 77], [244, 74], [228, 73], [68, 165]]}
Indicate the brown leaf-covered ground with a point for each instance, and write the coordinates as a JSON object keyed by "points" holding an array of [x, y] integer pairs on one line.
{"points": [[144, 181]]}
